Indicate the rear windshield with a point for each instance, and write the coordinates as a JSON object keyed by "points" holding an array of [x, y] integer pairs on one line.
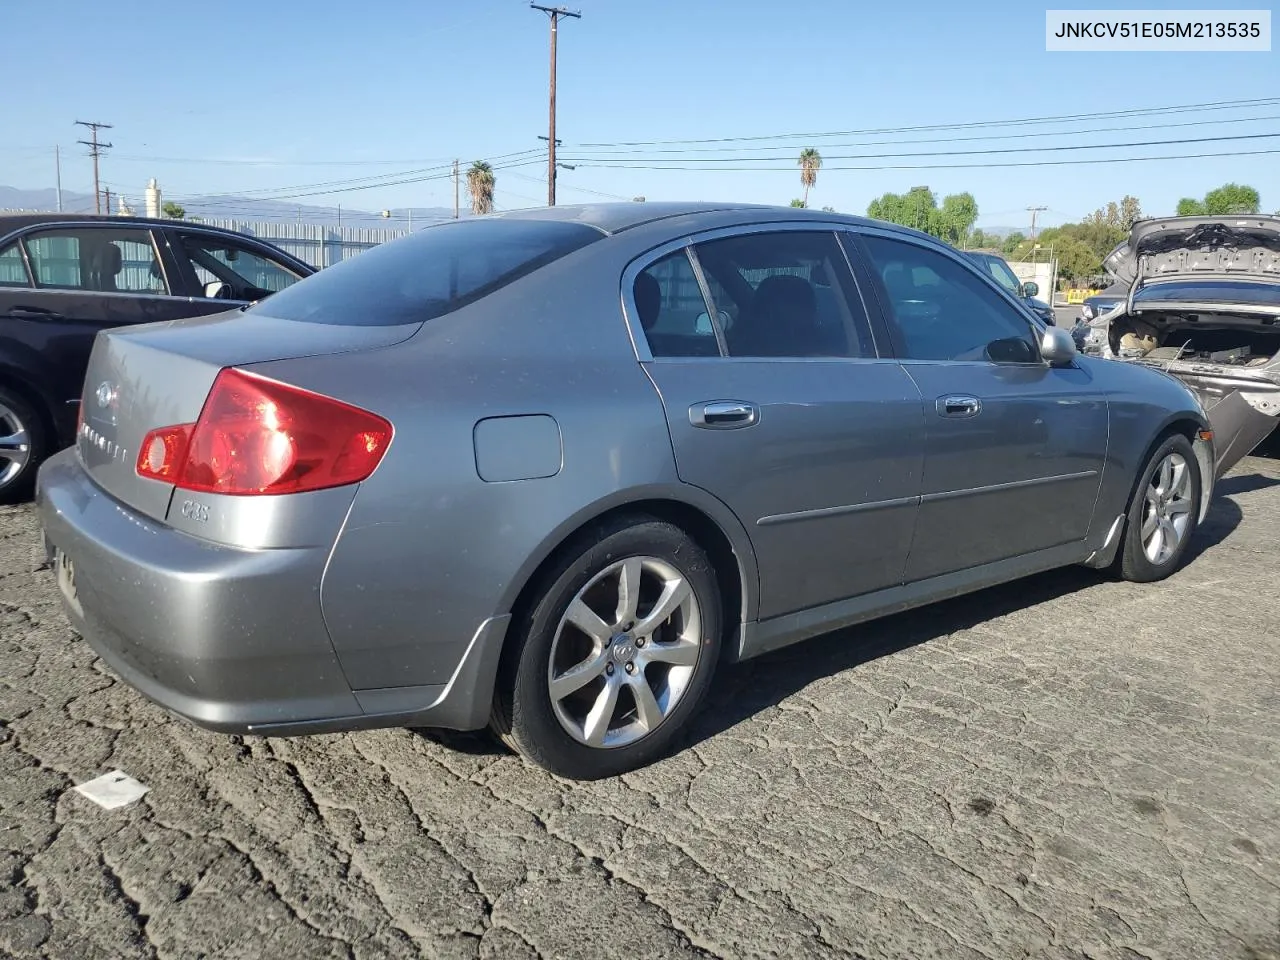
{"points": [[426, 275]]}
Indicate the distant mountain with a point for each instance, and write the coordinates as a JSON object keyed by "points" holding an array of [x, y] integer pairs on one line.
{"points": [[226, 208]]}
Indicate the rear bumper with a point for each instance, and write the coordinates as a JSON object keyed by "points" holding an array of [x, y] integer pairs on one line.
{"points": [[233, 640]]}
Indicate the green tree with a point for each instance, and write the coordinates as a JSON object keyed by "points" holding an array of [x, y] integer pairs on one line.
{"points": [[828, 209], [1225, 200], [1130, 212], [810, 163], [1012, 242], [1231, 198], [797, 202], [480, 186], [173, 211], [956, 218]]}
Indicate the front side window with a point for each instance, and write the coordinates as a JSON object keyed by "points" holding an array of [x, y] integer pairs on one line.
{"points": [[248, 274], [96, 260], [785, 294], [13, 272], [430, 273], [943, 310]]}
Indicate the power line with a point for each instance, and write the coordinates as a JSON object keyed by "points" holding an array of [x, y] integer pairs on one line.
{"points": [[955, 139], [962, 166], [95, 150], [1106, 115], [607, 162]]}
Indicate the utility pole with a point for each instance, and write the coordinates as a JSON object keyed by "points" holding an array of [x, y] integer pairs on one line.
{"points": [[555, 13], [455, 189], [1033, 211], [95, 150], [57, 173], [108, 201]]}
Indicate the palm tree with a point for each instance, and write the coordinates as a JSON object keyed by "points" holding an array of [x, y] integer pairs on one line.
{"points": [[480, 184], [810, 161]]}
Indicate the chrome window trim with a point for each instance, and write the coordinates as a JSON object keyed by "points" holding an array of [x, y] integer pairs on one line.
{"points": [[56, 226], [1036, 326], [643, 261], [63, 291]]}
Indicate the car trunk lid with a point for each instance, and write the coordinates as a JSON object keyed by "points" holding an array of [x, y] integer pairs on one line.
{"points": [[157, 375], [1198, 248]]}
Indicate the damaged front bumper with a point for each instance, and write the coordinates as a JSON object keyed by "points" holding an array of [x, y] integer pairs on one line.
{"points": [[1243, 410]]}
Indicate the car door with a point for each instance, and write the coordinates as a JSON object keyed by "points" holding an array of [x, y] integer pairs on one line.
{"points": [[223, 268], [1014, 448], [81, 278], [762, 350]]}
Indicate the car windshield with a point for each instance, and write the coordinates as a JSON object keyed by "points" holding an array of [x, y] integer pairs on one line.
{"points": [[433, 272]]}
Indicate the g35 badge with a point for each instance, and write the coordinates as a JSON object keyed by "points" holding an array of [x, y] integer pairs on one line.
{"points": [[195, 510]]}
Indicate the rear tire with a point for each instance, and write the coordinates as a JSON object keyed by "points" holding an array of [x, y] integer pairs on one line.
{"points": [[24, 444], [615, 654], [1163, 514]]}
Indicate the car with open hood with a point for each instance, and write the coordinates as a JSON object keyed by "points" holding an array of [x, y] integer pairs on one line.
{"points": [[1202, 303]]}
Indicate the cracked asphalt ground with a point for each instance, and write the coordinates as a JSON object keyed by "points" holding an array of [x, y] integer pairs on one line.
{"points": [[1064, 768]]}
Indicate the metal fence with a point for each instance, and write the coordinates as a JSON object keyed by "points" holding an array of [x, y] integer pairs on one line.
{"points": [[319, 246]]}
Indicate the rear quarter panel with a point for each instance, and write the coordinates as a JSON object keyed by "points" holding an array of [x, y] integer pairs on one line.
{"points": [[429, 549]]}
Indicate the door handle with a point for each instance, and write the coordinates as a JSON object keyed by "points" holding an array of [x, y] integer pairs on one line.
{"points": [[724, 414], [21, 313], [959, 407]]}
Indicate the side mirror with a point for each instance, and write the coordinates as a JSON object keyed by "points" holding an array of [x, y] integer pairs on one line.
{"points": [[1057, 347], [217, 290], [1031, 289]]}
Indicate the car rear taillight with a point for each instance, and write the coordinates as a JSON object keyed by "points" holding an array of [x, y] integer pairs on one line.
{"points": [[260, 436]]}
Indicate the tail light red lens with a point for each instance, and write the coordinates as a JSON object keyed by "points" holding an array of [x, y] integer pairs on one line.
{"points": [[260, 436]]}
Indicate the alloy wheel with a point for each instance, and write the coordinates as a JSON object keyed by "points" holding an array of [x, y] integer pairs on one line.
{"points": [[625, 652], [1166, 514], [15, 446]]}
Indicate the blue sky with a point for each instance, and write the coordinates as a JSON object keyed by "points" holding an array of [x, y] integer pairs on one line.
{"points": [[260, 97]]}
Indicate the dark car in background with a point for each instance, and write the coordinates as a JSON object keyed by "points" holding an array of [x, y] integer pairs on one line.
{"points": [[1003, 274], [65, 277]]}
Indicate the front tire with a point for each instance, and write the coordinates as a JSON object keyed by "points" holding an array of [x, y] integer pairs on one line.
{"points": [[23, 444], [616, 653], [1164, 513]]}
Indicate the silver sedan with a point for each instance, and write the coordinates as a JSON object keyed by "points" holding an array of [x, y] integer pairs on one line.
{"points": [[544, 470]]}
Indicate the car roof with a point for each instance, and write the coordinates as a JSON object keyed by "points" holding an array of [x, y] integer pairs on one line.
{"points": [[611, 218], [16, 221]]}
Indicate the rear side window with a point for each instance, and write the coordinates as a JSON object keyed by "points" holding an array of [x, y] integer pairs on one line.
{"points": [[13, 272], [431, 273]]}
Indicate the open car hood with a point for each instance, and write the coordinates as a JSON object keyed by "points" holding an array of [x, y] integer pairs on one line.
{"points": [[1234, 248]]}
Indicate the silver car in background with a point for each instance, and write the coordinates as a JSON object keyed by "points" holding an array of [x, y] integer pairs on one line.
{"points": [[543, 470]]}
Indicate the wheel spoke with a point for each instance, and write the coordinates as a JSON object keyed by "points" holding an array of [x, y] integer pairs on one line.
{"points": [[647, 708], [596, 724], [682, 653], [1170, 532], [15, 441], [1155, 544], [588, 621], [1149, 524], [629, 590], [1179, 480], [1166, 475], [577, 677], [1178, 507], [674, 593]]}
